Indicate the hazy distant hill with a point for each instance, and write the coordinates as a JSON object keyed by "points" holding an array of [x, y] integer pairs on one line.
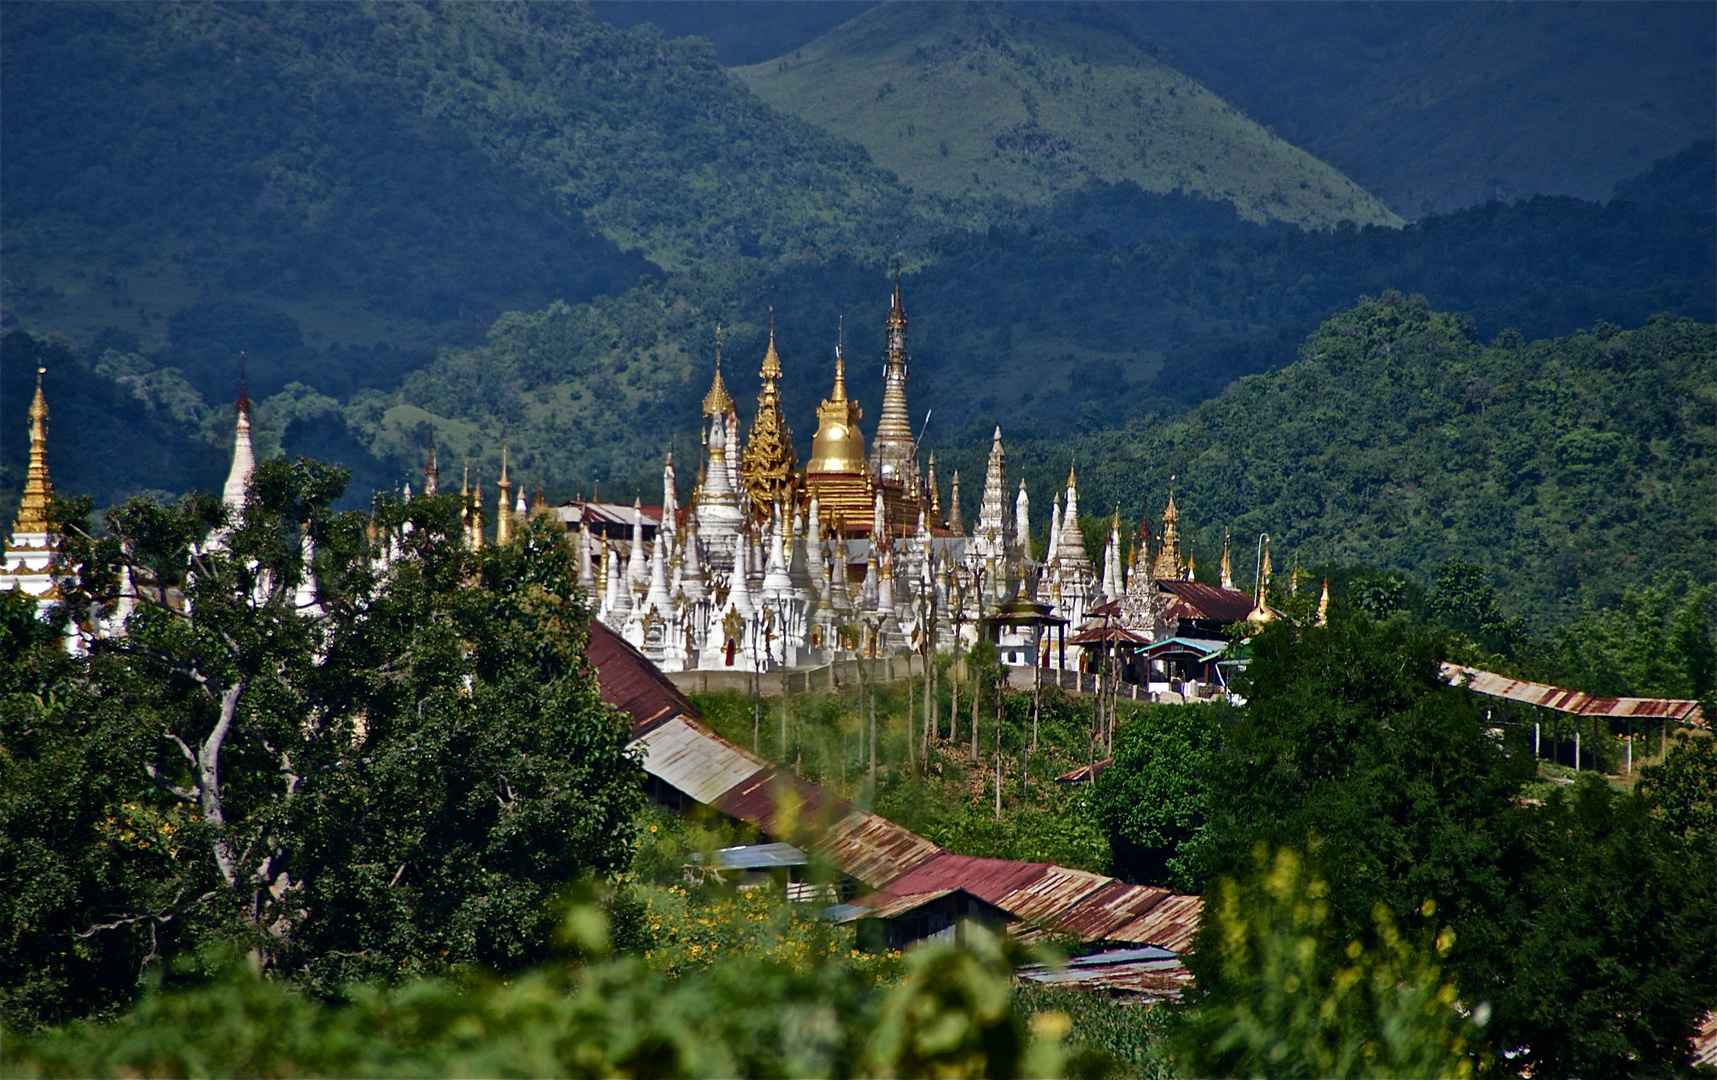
{"points": [[1440, 105], [968, 100]]}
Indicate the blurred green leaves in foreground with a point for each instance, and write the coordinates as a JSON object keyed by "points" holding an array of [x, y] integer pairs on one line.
{"points": [[947, 1010], [1290, 1001]]}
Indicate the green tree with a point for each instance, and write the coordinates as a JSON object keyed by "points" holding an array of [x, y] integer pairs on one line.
{"points": [[1393, 783], [347, 741], [1682, 790], [1153, 799], [1466, 605], [1615, 957], [1657, 641]]}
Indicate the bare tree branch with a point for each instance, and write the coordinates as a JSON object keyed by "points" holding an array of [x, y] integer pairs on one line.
{"points": [[190, 795]]}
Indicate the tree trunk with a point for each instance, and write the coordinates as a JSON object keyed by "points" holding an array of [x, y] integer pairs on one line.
{"points": [[209, 779]]}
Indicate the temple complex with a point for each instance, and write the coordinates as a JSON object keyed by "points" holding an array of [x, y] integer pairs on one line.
{"points": [[768, 565]]}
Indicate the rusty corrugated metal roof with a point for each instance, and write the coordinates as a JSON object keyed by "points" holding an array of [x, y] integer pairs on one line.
{"points": [[781, 804], [1115, 905], [1572, 701], [695, 760], [1151, 974], [683, 753], [987, 879], [873, 849], [1171, 924], [1085, 773], [628, 681], [1047, 897]]}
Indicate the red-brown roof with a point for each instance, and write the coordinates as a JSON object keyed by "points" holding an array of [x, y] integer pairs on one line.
{"points": [[1572, 701], [681, 752], [987, 879], [629, 682], [1196, 600]]}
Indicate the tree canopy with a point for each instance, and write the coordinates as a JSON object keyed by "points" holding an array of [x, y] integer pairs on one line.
{"points": [[343, 741]]}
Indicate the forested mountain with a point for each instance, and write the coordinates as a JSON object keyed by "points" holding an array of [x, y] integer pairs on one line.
{"points": [[1431, 105], [971, 100], [1575, 467], [481, 221]]}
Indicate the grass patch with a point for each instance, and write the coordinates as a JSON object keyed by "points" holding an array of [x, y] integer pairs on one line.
{"points": [[948, 797]]}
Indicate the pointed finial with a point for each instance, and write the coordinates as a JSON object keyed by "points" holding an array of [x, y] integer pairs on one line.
{"points": [[718, 402], [243, 393], [1071, 479], [771, 359]]}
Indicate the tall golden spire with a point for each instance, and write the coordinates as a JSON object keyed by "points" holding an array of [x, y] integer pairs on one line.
{"points": [[893, 453], [503, 512], [838, 445], [935, 495], [1261, 612], [1168, 564], [769, 461], [33, 510], [1227, 563], [1323, 605]]}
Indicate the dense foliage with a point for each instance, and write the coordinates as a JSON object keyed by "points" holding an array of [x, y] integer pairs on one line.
{"points": [[1153, 801], [386, 771], [1576, 466], [1579, 918], [1285, 996], [950, 1013]]}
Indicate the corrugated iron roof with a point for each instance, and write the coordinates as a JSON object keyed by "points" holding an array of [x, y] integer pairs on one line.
{"points": [[1096, 916], [888, 905], [628, 681], [873, 849], [1085, 772], [755, 857], [1090, 635], [1048, 897], [1171, 924], [781, 804], [695, 760], [683, 753], [1572, 701], [987, 879], [1152, 974]]}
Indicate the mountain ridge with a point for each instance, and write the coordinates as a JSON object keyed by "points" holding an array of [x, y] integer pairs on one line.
{"points": [[969, 101]]}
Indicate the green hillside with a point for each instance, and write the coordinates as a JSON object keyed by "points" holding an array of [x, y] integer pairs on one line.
{"points": [[1572, 468], [389, 173], [968, 100]]}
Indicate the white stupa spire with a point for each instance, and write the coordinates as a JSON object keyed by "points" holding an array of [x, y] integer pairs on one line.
{"points": [[244, 458], [637, 570], [1022, 522], [777, 584]]}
